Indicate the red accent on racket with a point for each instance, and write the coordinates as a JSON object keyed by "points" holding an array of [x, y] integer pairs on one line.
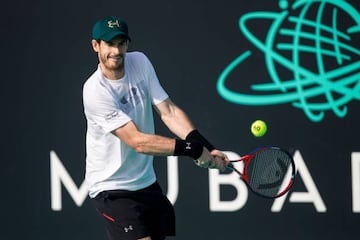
{"points": [[267, 171]]}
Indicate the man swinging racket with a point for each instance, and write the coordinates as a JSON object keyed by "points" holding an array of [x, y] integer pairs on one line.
{"points": [[121, 141]]}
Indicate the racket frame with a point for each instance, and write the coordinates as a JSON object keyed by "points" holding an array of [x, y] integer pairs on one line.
{"points": [[246, 159]]}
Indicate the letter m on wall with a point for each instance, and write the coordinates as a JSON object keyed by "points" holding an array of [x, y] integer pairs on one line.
{"points": [[59, 176]]}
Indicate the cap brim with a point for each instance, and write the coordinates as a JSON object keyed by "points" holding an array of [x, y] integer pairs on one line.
{"points": [[108, 37]]}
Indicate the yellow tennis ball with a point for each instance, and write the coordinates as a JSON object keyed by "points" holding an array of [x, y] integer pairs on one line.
{"points": [[258, 128]]}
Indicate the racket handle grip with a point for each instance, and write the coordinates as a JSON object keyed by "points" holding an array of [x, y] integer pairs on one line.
{"points": [[230, 166]]}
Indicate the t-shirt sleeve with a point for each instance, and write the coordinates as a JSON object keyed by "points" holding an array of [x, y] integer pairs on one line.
{"points": [[102, 111], [157, 92]]}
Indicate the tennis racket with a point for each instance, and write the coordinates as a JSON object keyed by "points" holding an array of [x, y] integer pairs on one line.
{"points": [[268, 171]]}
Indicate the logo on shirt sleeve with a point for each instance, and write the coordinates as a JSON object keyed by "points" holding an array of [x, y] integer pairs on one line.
{"points": [[111, 115]]}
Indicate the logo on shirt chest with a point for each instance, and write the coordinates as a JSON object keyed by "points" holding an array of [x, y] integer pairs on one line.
{"points": [[131, 99]]}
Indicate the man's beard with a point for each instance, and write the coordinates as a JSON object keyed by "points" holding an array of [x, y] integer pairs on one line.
{"points": [[112, 65]]}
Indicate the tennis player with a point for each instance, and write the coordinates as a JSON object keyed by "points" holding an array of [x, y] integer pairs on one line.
{"points": [[118, 100]]}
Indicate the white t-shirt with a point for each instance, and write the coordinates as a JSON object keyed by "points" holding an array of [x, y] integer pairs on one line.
{"points": [[109, 104]]}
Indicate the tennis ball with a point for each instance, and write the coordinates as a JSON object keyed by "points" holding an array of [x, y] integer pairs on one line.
{"points": [[258, 128]]}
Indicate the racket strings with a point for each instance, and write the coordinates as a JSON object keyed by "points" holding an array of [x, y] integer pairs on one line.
{"points": [[267, 172]]}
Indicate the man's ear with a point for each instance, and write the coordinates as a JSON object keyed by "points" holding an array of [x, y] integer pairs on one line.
{"points": [[95, 45]]}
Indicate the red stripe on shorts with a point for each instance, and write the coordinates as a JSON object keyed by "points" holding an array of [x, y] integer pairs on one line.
{"points": [[108, 217]]}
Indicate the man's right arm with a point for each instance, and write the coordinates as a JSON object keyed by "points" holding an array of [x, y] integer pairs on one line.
{"points": [[145, 143]]}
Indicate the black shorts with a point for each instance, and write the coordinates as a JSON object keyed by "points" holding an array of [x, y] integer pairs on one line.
{"points": [[131, 215]]}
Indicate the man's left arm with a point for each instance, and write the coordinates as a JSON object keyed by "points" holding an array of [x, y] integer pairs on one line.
{"points": [[174, 118], [180, 124]]}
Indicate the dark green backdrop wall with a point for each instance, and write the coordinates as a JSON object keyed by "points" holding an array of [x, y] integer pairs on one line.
{"points": [[294, 64]]}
